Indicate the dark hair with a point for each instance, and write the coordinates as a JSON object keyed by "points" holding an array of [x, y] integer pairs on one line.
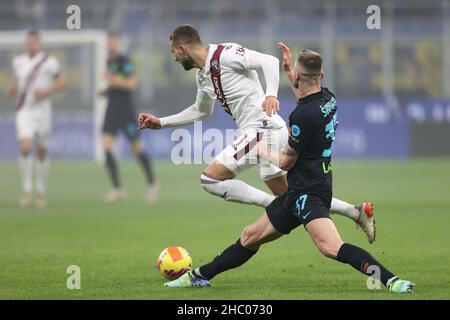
{"points": [[33, 33], [311, 62], [185, 34], [113, 34]]}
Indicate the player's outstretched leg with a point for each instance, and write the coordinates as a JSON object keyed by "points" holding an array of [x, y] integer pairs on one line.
{"points": [[325, 236], [237, 254], [116, 193], [218, 180], [26, 172], [145, 161], [42, 165], [362, 214], [232, 257]]}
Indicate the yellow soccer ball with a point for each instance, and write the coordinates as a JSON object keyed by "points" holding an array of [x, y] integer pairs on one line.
{"points": [[173, 262]]}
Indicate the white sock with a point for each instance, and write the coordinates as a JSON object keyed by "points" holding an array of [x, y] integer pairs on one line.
{"points": [[26, 173], [41, 175], [236, 191], [344, 208]]}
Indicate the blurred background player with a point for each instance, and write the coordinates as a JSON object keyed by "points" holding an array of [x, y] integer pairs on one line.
{"points": [[38, 77], [120, 115]]}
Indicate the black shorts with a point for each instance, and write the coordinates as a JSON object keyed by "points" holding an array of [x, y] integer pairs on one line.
{"points": [[116, 121], [292, 209]]}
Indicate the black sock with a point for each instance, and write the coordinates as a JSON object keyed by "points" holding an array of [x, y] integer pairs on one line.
{"points": [[112, 170], [145, 162], [232, 257], [361, 260]]}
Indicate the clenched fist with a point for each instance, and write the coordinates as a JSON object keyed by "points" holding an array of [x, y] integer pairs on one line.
{"points": [[148, 121]]}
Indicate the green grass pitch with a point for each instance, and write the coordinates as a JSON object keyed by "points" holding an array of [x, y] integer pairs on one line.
{"points": [[116, 246]]}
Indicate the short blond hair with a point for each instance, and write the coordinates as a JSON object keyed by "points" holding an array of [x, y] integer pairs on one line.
{"points": [[311, 63]]}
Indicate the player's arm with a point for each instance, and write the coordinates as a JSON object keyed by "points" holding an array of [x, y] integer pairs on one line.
{"points": [[270, 68], [287, 67], [284, 159], [117, 82], [201, 109], [58, 85], [300, 132], [11, 90], [126, 79], [245, 59]]}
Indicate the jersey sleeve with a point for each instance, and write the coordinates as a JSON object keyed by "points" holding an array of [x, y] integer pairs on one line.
{"points": [[300, 131], [15, 66], [238, 58], [201, 109], [235, 57], [54, 66]]}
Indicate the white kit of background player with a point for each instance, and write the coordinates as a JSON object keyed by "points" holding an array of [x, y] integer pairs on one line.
{"points": [[37, 78]]}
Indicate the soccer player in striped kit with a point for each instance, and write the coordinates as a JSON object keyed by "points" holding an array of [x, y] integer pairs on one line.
{"points": [[37, 78]]}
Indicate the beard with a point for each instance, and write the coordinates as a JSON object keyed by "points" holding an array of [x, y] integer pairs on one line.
{"points": [[187, 63]]}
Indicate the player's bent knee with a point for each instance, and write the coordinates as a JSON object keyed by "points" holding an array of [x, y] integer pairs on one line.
{"points": [[249, 238], [328, 250]]}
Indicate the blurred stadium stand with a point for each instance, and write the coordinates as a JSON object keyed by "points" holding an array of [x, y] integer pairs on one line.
{"points": [[395, 81]]}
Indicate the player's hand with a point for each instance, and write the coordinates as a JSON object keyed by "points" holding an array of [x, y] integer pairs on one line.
{"points": [[40, 94], [11, 90], [271, 105], [287, 57], [148, 121]]}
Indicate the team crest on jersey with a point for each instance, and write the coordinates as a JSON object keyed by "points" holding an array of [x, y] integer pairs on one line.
{"points": [[295, 130], [215, 65]]}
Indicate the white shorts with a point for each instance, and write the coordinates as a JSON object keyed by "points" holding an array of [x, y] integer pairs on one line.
{"points": [[241, 154], [34, 125]]}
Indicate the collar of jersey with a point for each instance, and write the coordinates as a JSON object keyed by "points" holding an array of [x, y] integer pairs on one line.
{"points": [[311, 96], [212, 48], [37, 56]]}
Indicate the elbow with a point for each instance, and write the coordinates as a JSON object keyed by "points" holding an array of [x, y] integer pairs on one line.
{"points": [[286, 167], [276, 62], [204, 116], [62, 83]]}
